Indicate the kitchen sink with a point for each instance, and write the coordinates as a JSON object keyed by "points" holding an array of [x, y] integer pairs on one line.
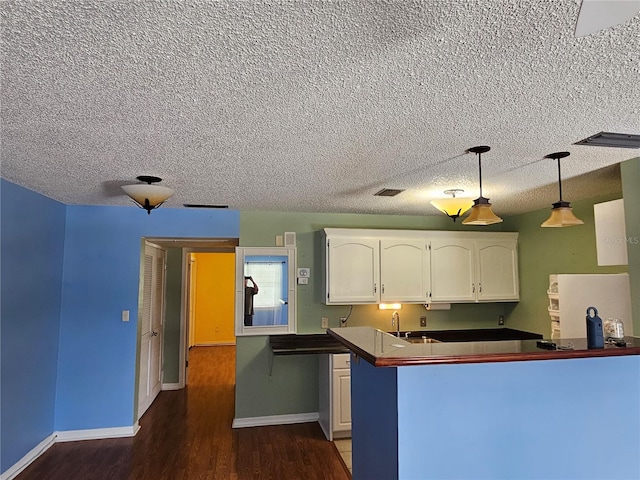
{"points": [[421, 340], [467, 335]]}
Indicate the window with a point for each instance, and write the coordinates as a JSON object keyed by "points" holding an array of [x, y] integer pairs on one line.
{"points": [[265, 290]]}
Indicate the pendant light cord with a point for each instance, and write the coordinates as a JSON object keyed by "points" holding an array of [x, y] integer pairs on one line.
{"points": [[559, 180], [480, 171]]}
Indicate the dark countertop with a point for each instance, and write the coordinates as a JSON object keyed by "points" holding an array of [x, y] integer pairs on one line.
{"points": [[292, 344], [384, 350]]}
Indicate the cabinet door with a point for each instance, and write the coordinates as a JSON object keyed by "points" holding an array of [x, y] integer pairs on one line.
{"points": [[452, 271], [404, 270], [341, 399], [353, 270], [497, 270]]}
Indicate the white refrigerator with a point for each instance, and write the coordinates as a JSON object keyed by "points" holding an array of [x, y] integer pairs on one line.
{"points": [[570, 295]]}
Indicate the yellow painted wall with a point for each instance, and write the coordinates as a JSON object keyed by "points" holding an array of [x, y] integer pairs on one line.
{"points": [[214, 298]]}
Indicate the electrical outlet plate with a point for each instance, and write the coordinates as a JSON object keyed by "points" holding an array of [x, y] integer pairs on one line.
{"points": [[325, 322], [500, 319], [423, 321]]}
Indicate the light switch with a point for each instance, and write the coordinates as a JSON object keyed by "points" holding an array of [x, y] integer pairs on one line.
{"points": [[125, 315], [303, 281]]}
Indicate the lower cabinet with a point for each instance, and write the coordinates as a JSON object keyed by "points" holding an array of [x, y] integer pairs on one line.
{"points": [[334, 403]]}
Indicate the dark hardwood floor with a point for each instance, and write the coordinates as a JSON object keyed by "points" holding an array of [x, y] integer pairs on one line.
{"points": [[187, 434]]}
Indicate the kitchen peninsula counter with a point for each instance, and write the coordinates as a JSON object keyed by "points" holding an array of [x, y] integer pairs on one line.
{"points": [[489, 410], [382, 349]]}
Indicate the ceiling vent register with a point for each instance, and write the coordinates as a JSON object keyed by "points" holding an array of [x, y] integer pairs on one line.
{"points": [[611, 140]]}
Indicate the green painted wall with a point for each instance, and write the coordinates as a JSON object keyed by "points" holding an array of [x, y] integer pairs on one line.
{"points": [[173, 299], [544, 251], [292, 386], [630, 171]]}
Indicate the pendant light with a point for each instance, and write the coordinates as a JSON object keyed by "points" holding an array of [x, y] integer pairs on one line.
{"points": [[147, 195], [561, 213], [481, 213], [452, 207]]}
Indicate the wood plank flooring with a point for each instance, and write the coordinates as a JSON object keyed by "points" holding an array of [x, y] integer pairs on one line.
{"points": [[187, 434]]}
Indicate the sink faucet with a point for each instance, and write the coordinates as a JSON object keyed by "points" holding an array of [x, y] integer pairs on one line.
{"points": [[395, 320]]}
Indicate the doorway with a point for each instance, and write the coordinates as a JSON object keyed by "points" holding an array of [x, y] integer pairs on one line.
{"points": [[169, 306]]}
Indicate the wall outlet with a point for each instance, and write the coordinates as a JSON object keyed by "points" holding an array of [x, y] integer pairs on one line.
{"points": [[423, 321], [343, 321], [500, 319], [325, 322]]}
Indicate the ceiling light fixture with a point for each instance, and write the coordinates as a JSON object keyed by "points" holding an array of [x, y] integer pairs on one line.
{"points": [[147, 195], [561, 213], [453, 207], [481, 213]]}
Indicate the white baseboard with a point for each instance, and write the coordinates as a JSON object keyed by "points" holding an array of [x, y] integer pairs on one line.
{"points": [[172, 386], [67, 436], [25, 461], [275, 420], [97, 433]]}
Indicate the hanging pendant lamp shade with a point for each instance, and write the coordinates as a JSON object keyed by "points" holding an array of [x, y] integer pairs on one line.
{"points": [[561, 213], [481, 213], [453, 207], [147, 195]]}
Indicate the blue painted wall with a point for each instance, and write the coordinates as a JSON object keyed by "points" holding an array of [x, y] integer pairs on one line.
{"points": [[68, 361], [97, 361], [555, 419], [32, 242]]}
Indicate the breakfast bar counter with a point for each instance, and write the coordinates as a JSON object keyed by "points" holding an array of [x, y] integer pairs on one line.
{"points": [[492, 410], [382, 349]]}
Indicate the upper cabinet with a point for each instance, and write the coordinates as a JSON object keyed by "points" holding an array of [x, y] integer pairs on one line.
{"points": [[477, 269], [353, 268], [497, 270], [398, 266], [404, 270], [452, 270]]}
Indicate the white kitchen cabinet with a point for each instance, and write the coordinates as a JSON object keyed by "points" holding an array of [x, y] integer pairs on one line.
{"points": [[353, 270], [334, 403], [404, 270], [474, 269], [413, 266], [497, 270], [452, 270]]}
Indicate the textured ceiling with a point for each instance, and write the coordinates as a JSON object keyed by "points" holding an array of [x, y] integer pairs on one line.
{"points": [[312, 105]]}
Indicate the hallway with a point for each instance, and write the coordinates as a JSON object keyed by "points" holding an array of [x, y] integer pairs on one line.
{"points": [[187, 434]]}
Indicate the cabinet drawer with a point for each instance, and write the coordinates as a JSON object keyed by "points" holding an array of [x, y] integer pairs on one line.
{"points": [[341, 360]]}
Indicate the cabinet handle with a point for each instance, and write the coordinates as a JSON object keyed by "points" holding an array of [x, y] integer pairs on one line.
{"points": [[473, 288], [375, 288], [383, 288], [480, 286]]}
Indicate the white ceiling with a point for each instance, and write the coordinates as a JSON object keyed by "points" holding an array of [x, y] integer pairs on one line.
{"points": [[312, 105]]}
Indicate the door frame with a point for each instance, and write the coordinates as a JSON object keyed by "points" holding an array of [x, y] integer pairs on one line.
{"points": [[187, 246]]}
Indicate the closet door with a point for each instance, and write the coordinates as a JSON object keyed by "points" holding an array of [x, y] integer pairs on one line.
{"points": [[150, 380]]}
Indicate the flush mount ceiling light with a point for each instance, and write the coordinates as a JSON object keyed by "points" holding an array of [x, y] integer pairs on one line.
{"points": [[561, 213], [453, 207], [481, 213], [147, 195]]}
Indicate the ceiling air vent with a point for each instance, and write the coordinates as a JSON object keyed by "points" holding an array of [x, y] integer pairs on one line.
{"points": [[388, 192], [197, 205], [613, 140]]}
